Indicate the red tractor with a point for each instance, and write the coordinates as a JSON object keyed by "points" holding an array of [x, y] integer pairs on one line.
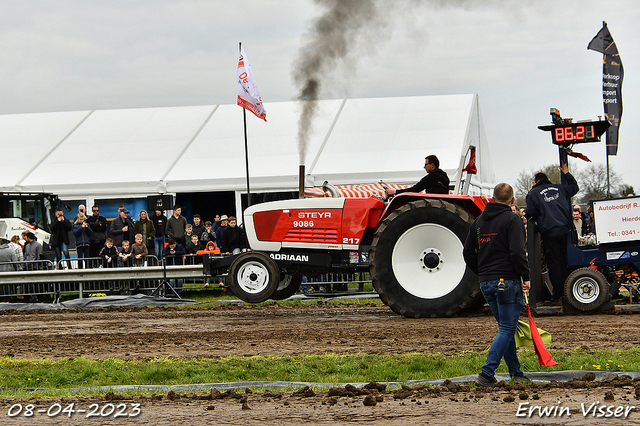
{"points": [[412, 247]]}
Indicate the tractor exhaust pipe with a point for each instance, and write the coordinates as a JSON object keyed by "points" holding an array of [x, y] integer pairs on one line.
{"points": [[301, 182]]}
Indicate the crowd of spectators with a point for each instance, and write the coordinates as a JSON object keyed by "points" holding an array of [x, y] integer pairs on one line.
{"points": [[126, 241]]}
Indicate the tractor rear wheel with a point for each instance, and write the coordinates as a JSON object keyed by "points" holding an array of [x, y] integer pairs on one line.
{"points": [[253, 277], [288, 285], [586, 289], [416, 260]]}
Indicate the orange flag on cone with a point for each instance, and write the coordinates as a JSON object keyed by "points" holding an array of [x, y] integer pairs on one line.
{"points": [[544, 357]]}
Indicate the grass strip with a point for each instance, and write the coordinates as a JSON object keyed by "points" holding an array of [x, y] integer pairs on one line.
{"points": [[327, 368]]}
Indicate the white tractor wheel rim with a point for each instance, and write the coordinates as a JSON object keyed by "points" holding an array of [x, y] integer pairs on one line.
{"points": [[252, 277], [586, 290], [427, 261]]}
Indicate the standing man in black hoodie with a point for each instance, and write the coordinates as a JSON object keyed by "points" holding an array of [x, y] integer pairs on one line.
{"points": [[159, 221], [495, 251], [549, 205], [98, 224], [435, 182], [60, 236]]}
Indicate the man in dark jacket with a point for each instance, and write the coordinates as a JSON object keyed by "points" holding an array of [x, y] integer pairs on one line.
{"points": [[60, 235], [549, 205], [175, 225], [198, 226], [98, 225], [159, 221], [495, 251], [224, 224], [435, 182], [233, 238], [122, 228]]}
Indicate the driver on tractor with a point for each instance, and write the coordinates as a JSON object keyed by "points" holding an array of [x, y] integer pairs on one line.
{"points": [[435, 182]]}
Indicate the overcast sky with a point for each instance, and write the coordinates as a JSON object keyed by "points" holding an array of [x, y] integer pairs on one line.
{"points": [[520, 59]]}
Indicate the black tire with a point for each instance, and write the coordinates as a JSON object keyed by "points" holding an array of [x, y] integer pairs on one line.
{"points": [[288, 285], [435, 280], [586, 289], [253, 277]]}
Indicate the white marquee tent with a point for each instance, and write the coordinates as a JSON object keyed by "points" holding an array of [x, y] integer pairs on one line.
{"points": [[137, 152]]}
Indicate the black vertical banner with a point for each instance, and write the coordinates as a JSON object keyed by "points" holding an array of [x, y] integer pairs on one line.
{"points": [[612, 75]]}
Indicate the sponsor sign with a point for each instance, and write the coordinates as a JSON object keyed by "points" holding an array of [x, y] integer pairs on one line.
{"points": [[617, 220]]}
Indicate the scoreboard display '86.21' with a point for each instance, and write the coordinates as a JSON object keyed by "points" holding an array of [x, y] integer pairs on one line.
{"points": [[581, 132]]}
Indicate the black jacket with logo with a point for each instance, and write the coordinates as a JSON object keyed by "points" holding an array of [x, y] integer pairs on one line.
{"points": [[494, 247], [548, 205]]}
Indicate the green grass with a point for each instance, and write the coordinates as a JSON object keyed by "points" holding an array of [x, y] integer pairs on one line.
{"points": [[328, 368]]}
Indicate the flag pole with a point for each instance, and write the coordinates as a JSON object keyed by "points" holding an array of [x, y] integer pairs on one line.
{"points": [[246, 145], [246, 155], [608, 181]]}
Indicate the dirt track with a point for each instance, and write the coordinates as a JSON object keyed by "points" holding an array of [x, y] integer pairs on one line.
{"points": [[135, 333], [312, 329]]}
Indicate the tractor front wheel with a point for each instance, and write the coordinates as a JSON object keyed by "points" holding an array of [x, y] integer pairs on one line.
{"points": [[253, 277]]}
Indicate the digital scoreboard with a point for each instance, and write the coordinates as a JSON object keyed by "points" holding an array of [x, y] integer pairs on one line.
{"points": [[568, 133]]}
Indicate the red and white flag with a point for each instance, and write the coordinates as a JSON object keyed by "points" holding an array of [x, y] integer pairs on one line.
{"points": [[248, 95], [471, 167]]}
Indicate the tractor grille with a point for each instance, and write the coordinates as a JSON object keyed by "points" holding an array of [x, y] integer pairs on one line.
{"points": [[312, 235]]}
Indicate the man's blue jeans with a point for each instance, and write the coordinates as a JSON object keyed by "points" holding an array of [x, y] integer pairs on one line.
{"points": [[506, 307], [158, 244], [61, 249]]}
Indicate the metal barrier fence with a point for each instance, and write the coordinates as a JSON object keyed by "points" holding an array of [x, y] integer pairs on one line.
{"points": [[334, 283], [31, 280], [107, 286], [26, 268]]}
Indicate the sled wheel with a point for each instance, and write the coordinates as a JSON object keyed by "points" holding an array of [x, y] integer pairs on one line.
{"points": [[416, 260], [586, 289], [288, 285], [253, 277]]}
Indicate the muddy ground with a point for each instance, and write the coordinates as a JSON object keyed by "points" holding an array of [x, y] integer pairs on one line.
{"points": [[139, 333]]}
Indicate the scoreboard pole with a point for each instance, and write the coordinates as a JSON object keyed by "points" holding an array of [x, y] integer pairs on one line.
{"points": [[564, 158], [566, 133]]}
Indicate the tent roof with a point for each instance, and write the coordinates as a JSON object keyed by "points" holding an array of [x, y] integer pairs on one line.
{"points": [[133, 152]]}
